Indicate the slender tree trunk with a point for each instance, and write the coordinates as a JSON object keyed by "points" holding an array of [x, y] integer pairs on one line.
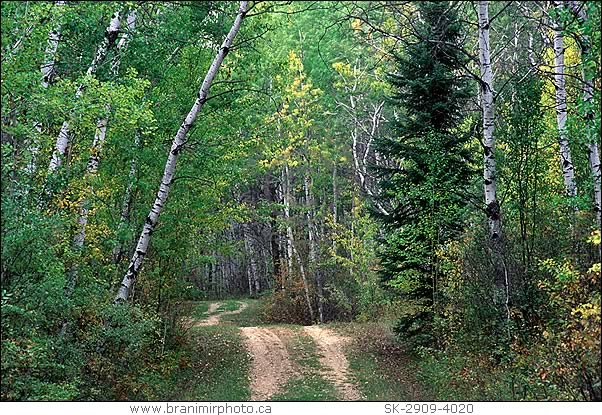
{"points": [[304, 280], [62, 140], [593, 134], [252, 267], [84, 208], [312, 238], [123, 42], [124, 216], [92, 169], [101, 130], [168, 174], [48, 73], [48, 66], [489, 171], [286, 184], [487, 106], [290, 241], [566, 163], [335, 203], [274, 231]]}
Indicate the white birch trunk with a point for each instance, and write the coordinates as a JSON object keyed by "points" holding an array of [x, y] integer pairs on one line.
{"points": [[123, 42], [335, 203], [179, 140], [313, 251], [92, 169], [48, 66], [501, 280], [593, 136], [97, 144], [287, 217], [252, 267], [566, 164], [48, 71], [62, 140], [487, 106]]}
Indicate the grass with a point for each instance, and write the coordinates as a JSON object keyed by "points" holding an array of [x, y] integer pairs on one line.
{"points": [[381, 368], [229, 305], [218, 369], [251, 316], [310, 385], [200, 309]]}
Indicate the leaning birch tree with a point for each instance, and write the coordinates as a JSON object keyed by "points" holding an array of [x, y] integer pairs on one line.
{"points": [[170, 166], [62, 140], [48, 71], [99, 138]]}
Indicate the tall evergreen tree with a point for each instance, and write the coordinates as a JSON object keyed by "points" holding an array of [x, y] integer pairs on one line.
{"points": [[431, 161]]}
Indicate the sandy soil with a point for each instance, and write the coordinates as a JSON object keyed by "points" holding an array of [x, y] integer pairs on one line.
{"points": [[271, 367]]}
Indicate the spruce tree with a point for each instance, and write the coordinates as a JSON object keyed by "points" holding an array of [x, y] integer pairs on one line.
{"points": [[431, 163]]}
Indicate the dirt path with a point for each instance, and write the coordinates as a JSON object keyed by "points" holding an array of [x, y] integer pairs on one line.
{"points": [[271, 367], [214, 318], [330, 346]]}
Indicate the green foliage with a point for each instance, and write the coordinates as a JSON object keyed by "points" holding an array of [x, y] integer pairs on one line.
{"points": [[425, 188], [382, 369], [298, 94]]}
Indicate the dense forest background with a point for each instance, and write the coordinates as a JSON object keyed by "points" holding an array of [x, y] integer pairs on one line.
{"points": [[431, 165]]}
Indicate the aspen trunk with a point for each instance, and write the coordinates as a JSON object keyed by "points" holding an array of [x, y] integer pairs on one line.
{"points": [[168, 174], [566, 163], [290, 242], [304, 280], [123, 42], [84, 208], [62, 140]]}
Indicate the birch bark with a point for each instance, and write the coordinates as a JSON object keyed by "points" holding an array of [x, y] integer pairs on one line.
{"points": [[48, 72], [593, 136], [98, 142], [178, 142], [48, 66], [92, 169], [493, 210], [566, 163], [313, 250], [487, 106], [62, 140], [286, 197]]}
